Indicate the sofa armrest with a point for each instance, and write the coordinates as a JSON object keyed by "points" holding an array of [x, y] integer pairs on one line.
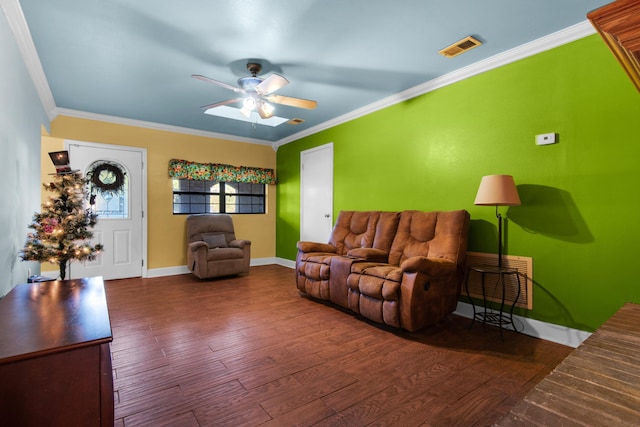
{"points": [[433, 267], [239, 243], [369, 254], [429, 291], [316, 247], [194, 246], [197, 258]]}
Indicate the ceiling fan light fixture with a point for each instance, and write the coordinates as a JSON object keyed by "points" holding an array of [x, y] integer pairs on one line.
{"points": [[248, 105], [265, 110]]}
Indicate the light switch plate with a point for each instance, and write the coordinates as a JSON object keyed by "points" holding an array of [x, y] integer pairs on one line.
{"points": [[546, 139]]}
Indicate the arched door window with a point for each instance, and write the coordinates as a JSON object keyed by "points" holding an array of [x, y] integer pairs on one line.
{"points": [[108, 183]]}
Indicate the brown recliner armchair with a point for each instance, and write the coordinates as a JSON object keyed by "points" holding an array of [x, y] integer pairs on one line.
{"points": [[212, 248]]}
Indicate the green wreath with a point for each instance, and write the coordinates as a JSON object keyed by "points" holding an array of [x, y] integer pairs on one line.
{"points": [[107, 178]]}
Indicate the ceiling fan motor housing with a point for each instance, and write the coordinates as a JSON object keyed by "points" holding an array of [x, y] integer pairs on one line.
{"points": [[249, 83], [254, 68]]}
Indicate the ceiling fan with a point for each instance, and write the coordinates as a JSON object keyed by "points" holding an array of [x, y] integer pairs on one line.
{"points": [[256, 91]]}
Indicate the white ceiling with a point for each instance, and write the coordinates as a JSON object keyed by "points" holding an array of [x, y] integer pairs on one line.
{"points": [[131, 61]]}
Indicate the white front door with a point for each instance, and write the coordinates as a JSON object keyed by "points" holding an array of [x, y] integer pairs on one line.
{"points": [[121, 227], [316, 194]]}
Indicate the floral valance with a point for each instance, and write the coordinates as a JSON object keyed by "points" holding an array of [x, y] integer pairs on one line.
{"points": [[184, 169]]}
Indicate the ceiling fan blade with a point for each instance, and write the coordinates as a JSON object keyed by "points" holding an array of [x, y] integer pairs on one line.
{"points": [[271, 84], [292, 102], [221, 103], [216, 82]]}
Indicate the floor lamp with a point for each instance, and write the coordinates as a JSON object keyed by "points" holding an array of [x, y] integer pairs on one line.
{"points": [[497, 190]]}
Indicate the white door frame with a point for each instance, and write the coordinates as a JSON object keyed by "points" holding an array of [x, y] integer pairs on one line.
{"points": [[143, 153], [328, 177]]}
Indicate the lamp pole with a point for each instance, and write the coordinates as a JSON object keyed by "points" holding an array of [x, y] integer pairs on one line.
{"points": [[499, 237]]}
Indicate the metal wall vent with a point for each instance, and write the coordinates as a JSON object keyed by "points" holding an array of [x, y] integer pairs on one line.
{"points": [[460, 46], [295, 121], [493, 291]]}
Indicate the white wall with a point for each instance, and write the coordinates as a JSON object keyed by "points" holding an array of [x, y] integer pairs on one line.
{"points": [[21, 119]]}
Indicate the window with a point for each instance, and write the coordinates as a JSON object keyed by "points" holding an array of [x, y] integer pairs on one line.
{"points": [[217, 197]]}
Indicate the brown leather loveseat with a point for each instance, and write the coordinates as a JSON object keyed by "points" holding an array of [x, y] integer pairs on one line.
{"points": [[403, 269]]}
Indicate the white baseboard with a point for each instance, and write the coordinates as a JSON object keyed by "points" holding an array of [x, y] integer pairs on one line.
{"points": [[286, 263], [536, 328], [183, 269], [255, 262], [167, 271]]}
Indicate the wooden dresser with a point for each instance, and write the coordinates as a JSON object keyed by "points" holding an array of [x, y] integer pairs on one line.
{"points": [[55, 361]]}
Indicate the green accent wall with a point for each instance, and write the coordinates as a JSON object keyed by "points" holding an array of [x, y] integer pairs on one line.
{"points": [[580, 197]]}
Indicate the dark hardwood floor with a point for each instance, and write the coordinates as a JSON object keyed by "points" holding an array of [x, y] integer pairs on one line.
{"points": [[251, 351]]}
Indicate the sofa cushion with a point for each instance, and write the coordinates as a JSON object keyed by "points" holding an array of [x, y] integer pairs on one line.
{"points": [[224, 253], [379, 288], [415, 231], [314, 270], [215, 240], [317, 257], [386, 230], [383, 271], [431, 235], [354, 229]]}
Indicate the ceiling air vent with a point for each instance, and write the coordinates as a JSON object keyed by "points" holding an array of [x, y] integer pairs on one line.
{"points": [[460, 46], [295, 121]]}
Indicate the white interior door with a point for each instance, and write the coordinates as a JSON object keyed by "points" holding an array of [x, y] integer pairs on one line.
{"points": [[121, 227], [316, 193]]}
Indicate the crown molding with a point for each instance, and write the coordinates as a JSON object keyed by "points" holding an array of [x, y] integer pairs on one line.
{"points": [[155, 126], [553, 40], [20, 30], [19, 27]]}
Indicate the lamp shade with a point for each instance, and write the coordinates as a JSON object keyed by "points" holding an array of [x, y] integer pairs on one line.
{"points": [[497, 190]]}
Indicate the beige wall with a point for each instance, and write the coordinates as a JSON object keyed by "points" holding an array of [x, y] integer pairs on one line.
{"points": [[166, 232]]}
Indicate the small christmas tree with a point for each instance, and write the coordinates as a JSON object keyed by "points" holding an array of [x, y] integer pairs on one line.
{"points": [[62, 228]]}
